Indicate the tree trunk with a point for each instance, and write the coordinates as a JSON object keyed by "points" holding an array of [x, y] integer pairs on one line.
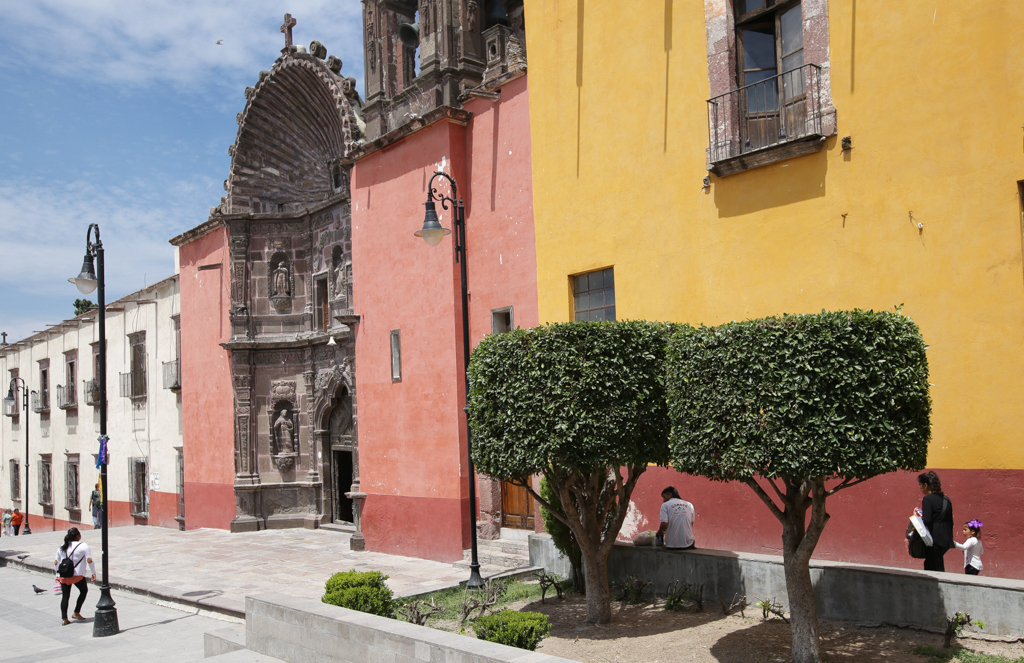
{"points": [[595, 573], [803, 613]]}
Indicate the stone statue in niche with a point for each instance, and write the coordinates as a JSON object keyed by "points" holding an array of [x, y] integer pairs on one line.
{"points": [[284, 432], [280, 282]]}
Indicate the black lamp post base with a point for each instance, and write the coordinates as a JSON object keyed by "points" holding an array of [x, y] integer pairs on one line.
{"points": [[475, 579], [105, 620], [27, 530]]}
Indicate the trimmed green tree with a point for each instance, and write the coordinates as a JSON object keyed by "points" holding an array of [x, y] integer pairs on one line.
{"points": [[799, 407], [582, 404]]}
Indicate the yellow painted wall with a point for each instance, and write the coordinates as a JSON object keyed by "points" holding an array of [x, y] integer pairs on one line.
{"points": [[931, 94]]}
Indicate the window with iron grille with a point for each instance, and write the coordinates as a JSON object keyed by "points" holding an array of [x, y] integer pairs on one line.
{"points": [[41, 398], [594, 295], [71, 487], [45, 480], [180, 467], [133, 384], [138, 469], [15, 480], [70, 397]]}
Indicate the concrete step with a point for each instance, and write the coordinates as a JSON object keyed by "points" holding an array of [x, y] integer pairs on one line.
{"points": [[499, 552], [223, 641]]}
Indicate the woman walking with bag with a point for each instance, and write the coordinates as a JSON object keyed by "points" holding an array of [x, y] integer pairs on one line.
{"points": [[71, 561]]}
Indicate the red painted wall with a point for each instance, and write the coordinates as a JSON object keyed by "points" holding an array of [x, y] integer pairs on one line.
{"points": [[206, 390], [163, 507], [412, 453], [867, 522]]}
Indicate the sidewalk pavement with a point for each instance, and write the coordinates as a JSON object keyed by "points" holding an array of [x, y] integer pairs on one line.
{"points": [[214, 569], [30, 624]]}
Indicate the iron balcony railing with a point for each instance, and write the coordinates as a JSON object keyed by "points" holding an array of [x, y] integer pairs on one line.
{"points": [[133, 385], [40, 401], [66, 396], [172, 375], [770, 112], [92, 392]]}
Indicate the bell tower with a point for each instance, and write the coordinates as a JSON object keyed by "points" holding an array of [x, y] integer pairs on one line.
{"points": [[421, 55]]}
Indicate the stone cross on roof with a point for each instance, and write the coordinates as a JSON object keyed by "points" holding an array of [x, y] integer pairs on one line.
{"points": [[5, 337], [289, 23]]}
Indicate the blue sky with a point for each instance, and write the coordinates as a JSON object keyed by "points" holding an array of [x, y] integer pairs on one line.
{"points": [[120, 112]]}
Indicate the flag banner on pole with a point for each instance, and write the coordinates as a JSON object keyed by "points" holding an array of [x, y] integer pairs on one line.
{"points": [[101, 457]]}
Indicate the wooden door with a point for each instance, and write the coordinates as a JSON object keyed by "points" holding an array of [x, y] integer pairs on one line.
{"points": [[516, 507]]}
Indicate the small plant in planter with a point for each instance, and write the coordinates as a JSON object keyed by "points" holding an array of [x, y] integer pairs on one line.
{"points": [[362, 591], [524, 630], [955, 627]]}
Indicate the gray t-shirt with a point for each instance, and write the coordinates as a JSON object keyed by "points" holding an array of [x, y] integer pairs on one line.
{"points": [[679, 516]]}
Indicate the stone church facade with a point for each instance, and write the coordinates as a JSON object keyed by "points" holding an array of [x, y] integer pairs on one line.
{"points": [[267, 282]]}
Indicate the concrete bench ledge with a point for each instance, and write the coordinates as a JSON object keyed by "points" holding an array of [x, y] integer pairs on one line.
{"points": [[846, 591], [301, 630]]}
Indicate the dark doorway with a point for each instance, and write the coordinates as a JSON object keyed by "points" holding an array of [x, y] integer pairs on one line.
{"points": [[342, 484]]}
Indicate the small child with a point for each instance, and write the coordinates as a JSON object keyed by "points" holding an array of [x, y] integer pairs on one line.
{"points": [[972, 547]]}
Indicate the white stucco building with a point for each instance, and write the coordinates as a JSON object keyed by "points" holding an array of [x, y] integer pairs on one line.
{"points": [[60, 368]]}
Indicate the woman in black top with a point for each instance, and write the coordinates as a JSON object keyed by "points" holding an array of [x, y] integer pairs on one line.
{"points": [[937, 514]]}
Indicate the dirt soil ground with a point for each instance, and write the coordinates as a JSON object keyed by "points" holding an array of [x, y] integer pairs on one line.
{"points": [[651, 634]]}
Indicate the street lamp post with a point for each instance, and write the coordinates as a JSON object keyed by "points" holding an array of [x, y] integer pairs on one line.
{"points": [[12, 404], [105, 622], [432, 233]]}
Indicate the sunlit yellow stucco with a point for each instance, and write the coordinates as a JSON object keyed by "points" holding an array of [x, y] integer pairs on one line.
{"points": [[931, 95]]}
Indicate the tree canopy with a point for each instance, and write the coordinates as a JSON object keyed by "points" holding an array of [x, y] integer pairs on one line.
{"points": [[571, 395], [835, 394]]}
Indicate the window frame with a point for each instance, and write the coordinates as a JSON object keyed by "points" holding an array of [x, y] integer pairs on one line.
{"points": [[139, 486], [504, 310], [395, 352], [574, 281], [72, 498], [14, 467], [44, 490]]}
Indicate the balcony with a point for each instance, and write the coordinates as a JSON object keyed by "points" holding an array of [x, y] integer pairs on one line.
{"points": [[133, 385], [40, 401], [773, 119], [172, 375], [91, 389], [66, 397]]}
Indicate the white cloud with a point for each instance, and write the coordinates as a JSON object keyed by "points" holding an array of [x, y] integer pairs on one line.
{"points": [[44, 241], [175, 41]]}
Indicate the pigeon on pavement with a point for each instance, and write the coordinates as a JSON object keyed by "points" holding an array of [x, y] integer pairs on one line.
{"points": [[37, 590]]}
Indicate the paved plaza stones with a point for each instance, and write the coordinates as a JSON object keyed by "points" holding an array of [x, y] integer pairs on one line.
{"points": [[215, 570]]}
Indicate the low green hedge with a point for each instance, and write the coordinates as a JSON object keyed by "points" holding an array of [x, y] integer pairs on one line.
{"points": [[516, 629], [362, 591]]}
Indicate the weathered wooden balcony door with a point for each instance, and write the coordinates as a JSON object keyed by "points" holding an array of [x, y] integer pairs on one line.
{"points": [[516, 507]]}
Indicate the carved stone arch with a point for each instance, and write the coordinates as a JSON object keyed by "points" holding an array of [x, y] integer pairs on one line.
{"points": [[298, 122], [332, 384]]}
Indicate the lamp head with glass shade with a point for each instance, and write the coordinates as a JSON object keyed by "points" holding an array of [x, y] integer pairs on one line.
{"points": [[10, 404], [432, 232], [86, 281]]}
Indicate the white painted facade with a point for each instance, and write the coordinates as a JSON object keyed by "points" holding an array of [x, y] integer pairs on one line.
{"points": [[143, 414]]}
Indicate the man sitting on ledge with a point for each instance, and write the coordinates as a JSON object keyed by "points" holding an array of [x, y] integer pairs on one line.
{"points": [[676, 528]]}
